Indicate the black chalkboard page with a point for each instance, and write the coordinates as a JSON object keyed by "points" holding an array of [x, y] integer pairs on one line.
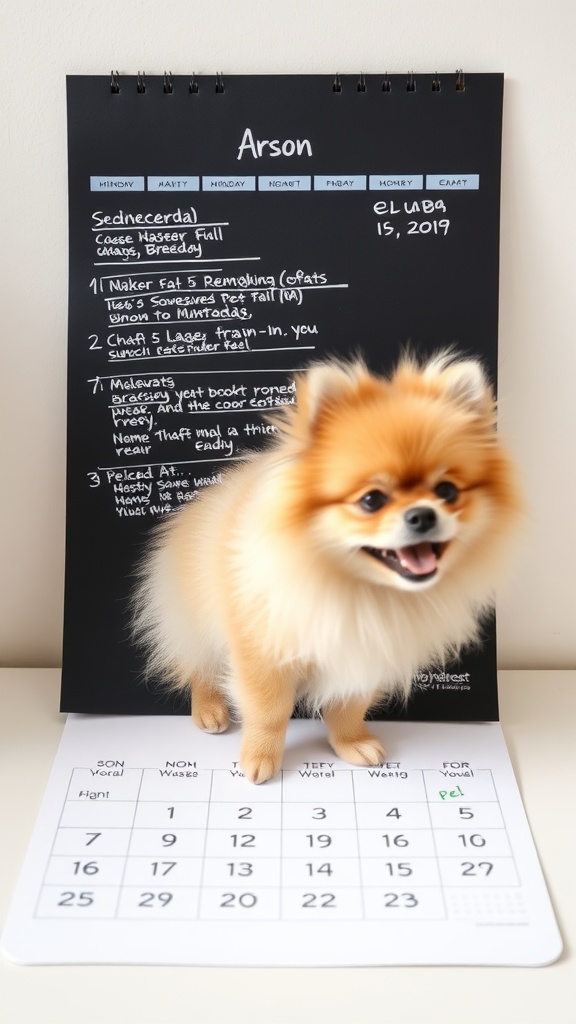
{"points": [[223, 233]]}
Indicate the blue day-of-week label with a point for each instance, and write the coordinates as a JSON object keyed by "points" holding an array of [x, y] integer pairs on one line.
{"points": [[396, 182], [173, 184], [101, 183], [228, 183], [284, 183], [452, 182], [339, 182]]}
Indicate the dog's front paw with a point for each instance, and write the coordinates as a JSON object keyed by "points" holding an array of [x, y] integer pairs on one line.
{"points": [[259, 767], [211, 717], [366, 750]]}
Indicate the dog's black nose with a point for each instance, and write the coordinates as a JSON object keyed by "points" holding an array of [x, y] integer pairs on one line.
{"points": [[420, 518]]}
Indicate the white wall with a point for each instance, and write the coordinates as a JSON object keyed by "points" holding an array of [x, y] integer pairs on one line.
{"points": [[532, 41]]}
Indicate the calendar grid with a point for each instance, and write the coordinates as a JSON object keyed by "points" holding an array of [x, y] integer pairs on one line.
{"points": [[58, 827], [204, 848], [158, 850], [362, 896], [442, 893], [315, 848], [121, 886]]}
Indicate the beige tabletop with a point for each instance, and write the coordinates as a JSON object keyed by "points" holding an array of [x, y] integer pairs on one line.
{"points": [[538, 714]]}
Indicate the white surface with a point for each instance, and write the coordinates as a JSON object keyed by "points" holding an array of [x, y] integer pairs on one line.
{"points": [[152, 848], [538, 712], [530, 40]]}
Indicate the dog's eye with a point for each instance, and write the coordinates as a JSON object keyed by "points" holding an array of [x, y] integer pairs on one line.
{"points": [[373, 501], [447, 491]]}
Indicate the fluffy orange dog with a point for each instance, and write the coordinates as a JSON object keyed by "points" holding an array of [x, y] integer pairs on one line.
{"points": [[362, 544]]}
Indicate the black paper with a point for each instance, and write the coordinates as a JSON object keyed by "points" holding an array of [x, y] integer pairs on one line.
{"points": [[182, 298]]}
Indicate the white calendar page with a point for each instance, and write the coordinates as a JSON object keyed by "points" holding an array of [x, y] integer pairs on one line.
{"points": [[151, 848]]}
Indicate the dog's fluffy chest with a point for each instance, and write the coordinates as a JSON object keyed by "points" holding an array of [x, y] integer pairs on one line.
{"points": [[355, 637]]}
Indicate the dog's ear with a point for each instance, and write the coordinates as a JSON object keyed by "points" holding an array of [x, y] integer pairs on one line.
{"points": [[325, 383], [463, 381], [318, 389]]}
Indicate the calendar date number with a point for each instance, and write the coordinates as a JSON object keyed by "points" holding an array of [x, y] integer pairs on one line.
{"points": [[76, 899]]}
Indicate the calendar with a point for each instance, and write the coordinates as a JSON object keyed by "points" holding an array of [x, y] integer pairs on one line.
{"points": [[223, 235], [152, 848]]}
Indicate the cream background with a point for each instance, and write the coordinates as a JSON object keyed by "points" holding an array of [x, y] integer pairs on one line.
{"points": [[532, 41]]}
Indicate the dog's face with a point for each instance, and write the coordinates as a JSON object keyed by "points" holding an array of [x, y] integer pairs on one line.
{"points": [[402, 479]]}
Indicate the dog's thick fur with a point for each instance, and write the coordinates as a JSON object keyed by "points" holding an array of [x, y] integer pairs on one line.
{"points": [[363, 544]]}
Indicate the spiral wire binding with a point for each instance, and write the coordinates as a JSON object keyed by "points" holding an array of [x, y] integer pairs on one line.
{"points": [[194, 88]]}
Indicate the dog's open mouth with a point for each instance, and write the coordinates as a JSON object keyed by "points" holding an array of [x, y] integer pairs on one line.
{"points": [[418, 562]]}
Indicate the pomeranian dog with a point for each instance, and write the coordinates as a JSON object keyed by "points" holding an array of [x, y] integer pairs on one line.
{"points": [[361, 545]]}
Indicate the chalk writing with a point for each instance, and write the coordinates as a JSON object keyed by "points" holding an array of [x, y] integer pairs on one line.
{"points": [[272, 147], [161, 426]]}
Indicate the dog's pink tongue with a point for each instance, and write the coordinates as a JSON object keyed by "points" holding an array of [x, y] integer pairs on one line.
{"points": [[418, 558]]}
